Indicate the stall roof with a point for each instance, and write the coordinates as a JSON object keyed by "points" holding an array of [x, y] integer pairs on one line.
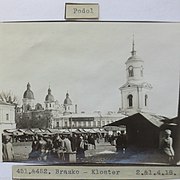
{"points": [[36, 130], [156, 120], [9, 130], [89, 130]]}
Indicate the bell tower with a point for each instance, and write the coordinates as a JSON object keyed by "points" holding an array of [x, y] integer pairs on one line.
{"points": [[67, 104], [28, 99], [134, 67], [49, 101], [135, 92]]}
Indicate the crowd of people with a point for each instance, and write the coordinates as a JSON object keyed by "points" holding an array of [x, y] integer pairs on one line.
{"points": [[119, 141], [58, 147]]}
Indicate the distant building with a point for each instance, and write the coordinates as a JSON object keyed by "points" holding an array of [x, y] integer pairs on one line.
{"points": [[55, 115], [84, 120]]}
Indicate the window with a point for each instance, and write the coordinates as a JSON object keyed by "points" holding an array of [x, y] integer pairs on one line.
{"points": [[99, 123], [103, 123], [146, 98], [57, 124], [46, 106], [141, 71], [49, 105], [28, 107], [75, 124], [65, 124], [84, 123], [7, 117], [130, 100], [94, 123], [89, 123], [131, 71]]}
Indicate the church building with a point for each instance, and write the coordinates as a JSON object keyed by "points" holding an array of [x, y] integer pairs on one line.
{"points": [[143, 128], [135, 93]]}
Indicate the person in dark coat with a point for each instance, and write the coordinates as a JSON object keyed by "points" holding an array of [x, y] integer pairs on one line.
{"points": [[80, 148], [42, 149], [121, 142], [73, 140], [49, 149], [124, 141], [34, 154], [118, 143], [58, 147], [91, 140]]}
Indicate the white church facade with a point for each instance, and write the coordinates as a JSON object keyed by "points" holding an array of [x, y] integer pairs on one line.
{"points": [[135, 93]]}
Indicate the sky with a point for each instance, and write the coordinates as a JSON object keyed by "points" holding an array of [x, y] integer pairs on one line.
{"points": [[87, 59]]}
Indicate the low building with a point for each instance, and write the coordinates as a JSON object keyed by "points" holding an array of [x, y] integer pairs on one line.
{"points": [[143, 129], [7, 115], [83, 120]]}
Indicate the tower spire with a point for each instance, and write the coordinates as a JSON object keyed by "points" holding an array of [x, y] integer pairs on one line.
{"points": [[133, 52], [28, 85]]}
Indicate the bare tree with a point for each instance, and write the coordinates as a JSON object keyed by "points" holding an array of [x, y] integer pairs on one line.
{"points": [[9, 97]]}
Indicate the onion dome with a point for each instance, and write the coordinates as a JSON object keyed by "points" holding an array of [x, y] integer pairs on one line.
{"points": [[67, 101], [49, 98], [28, 93]]}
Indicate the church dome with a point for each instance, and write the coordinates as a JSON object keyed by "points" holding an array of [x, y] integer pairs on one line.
{"points": [[49, 97], [28, 93], [134, 58], [67, 101]]}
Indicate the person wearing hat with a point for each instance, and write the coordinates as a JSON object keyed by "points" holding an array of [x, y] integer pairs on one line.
{"points": [[80, 148], [42, 148], [167, 146], [7, 149]]}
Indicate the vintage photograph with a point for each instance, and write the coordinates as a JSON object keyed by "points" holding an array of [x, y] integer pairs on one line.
{"points": [[90, 93]]}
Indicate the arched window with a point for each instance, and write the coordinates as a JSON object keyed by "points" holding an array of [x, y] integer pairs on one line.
{"points": [[28, 107], [131, 71], [130, 100], [57, 124], [146, 98]]}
